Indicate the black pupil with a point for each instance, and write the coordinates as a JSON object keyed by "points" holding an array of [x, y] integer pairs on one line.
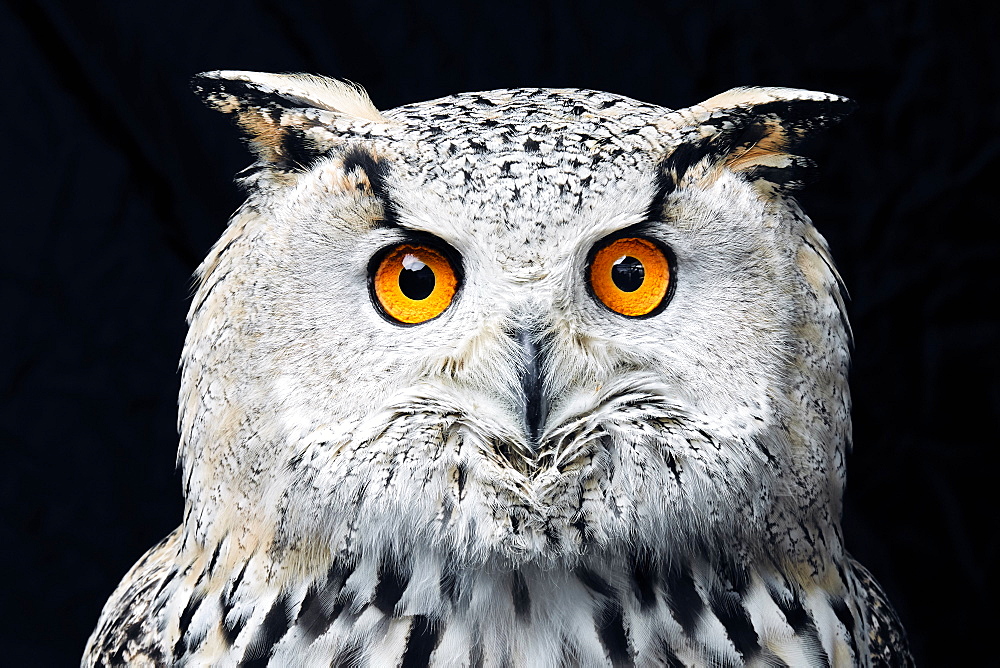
{"points": [[416, 280], [628, 274]]}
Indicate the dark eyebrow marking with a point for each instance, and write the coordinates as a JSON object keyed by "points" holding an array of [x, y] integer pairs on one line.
{"points": [[665, 185], [376, 170], [672, 168], [644, 228]]}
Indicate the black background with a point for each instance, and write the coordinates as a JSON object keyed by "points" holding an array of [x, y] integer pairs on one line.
{"points": [[118, 180]]}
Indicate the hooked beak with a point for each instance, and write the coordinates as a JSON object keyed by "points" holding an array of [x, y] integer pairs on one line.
{"points": [[535, 408]]}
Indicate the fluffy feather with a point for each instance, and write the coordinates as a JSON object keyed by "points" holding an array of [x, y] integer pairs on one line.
{"points": [[529, 478]]}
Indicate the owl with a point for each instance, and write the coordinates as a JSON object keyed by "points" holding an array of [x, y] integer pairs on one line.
{"points": [[529, 377]]}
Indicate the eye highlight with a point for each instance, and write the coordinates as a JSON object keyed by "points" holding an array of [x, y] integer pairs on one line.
{"points": [[631, 276], [413, 283]]}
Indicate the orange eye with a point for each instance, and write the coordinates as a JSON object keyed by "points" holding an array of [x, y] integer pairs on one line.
{"points": [[413, 283], [631, 276]]}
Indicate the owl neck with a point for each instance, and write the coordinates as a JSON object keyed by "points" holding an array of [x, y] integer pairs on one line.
{"points": [[391, 611]]}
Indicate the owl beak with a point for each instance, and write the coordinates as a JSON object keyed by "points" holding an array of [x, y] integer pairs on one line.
{"points": [[535, 408]]}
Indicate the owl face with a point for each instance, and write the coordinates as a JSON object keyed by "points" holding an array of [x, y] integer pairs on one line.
{"points": [[520, 325]]}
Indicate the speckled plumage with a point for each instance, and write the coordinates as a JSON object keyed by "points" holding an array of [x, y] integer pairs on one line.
{"points": [[364, 493]]}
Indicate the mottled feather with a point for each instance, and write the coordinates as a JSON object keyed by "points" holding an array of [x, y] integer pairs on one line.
{"points": [[528, 477]]}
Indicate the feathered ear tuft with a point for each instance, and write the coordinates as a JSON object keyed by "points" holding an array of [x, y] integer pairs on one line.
{"points": [[285, 116], [751, 131]]}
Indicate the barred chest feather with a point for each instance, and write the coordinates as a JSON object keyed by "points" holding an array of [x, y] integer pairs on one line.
{"points": [[426, 611]]}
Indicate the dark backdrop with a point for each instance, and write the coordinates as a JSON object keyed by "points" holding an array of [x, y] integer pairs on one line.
{"points": [[118, 180]]}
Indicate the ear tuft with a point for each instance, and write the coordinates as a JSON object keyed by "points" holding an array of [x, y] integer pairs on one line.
{"points": [[752, 131], [285, 115]]}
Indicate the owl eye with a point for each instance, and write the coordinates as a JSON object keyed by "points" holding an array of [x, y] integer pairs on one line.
{"points": [[412, 283], [631, 276]]}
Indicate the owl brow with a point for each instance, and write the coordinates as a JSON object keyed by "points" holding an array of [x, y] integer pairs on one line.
{"points": [[665, 185], [375, 170], [643, 228]]}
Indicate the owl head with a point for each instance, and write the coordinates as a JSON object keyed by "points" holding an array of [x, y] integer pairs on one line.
{"points": [[516, 326]]}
